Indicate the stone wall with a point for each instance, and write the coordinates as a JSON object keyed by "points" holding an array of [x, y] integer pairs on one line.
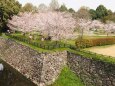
{"points": [[52, 66], [92, 72], [42, 69]]}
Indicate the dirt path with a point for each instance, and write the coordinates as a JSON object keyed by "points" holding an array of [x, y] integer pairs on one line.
{"points": [[106, 50]]}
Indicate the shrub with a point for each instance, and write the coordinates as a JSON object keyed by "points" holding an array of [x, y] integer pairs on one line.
{"points": [[85, 43]]}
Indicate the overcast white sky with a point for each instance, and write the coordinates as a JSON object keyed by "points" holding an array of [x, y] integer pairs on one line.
{"points": [[76, 4]]}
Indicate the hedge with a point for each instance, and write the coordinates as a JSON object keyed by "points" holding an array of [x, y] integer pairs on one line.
{"points": [[86, 43], [43, 45]]}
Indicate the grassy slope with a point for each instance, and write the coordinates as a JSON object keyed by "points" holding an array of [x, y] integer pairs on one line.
{"points": [[67, 78]]}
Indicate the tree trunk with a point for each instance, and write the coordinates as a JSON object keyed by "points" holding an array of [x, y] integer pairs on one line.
{"points": [[82, 33]]}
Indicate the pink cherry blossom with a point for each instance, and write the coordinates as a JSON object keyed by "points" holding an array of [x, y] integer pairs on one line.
{"points": [[56, 24]]}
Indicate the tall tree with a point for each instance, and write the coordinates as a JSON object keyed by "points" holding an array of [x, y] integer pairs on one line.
{"points": [[93, 14], [54, 5], [110, 12], [109, 18], [101, 11], [28, 7], [8, 8], [83, 13], [59, 25], [71, 10], [42, 7], [63, 8]]}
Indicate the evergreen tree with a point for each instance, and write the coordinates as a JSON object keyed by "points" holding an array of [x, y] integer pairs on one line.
{"points": [[63, 8], [71, 10], [8, 8], [101, 11], [93, 14]]}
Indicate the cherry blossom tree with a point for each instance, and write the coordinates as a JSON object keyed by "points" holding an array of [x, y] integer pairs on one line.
{"points": [[96, 24], [54, 5], [83, 25], [87, 25], [109, 27], [56, 24], [43, 8]]}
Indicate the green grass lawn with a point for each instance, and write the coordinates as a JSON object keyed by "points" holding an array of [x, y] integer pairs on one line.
{"points": [[72, 42], [67, 78]]}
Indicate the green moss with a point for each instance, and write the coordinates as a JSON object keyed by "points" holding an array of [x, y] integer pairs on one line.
{"points": [[67, 78]]}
